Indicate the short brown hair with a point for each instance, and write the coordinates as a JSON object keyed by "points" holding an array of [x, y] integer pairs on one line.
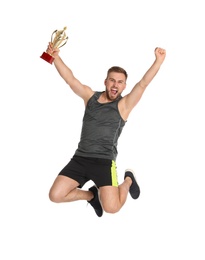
{"points": [[117, 69]]}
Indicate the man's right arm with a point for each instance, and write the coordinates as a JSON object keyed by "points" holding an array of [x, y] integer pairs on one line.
{"points": [[65, 72]]}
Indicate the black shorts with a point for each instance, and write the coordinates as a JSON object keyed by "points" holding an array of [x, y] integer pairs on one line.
{"points": [[103, 172]]}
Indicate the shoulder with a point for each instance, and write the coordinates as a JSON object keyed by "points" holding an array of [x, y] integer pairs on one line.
{"points": [[93, 95], [88, 93]]}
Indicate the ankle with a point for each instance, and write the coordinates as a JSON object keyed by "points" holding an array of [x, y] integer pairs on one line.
{"points": [[90, 196]]}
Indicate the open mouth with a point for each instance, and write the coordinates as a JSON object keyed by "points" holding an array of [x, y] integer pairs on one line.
{"points": [[114, 91]]}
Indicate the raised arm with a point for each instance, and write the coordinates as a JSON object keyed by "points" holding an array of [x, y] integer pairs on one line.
{"points": [[130, 100], [65, 72]]}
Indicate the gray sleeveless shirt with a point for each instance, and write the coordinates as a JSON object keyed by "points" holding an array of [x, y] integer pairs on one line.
{"points": [[102, 126]]}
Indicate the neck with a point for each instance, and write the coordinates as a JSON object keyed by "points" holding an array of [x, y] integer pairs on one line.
{"points": [[104, 98]]}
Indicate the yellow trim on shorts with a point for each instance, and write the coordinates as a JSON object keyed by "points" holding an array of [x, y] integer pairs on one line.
{"points": [[114, 174]]}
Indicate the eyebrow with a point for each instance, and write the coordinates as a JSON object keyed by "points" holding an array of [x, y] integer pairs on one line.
{"points": [[120, 80]]}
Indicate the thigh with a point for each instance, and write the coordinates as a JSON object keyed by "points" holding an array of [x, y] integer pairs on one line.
{"points": [[75, 170], [63, 185], [109, 197]]}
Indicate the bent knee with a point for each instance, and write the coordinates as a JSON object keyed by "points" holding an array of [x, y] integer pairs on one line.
{"points": [[55, 197], [111, 208]]}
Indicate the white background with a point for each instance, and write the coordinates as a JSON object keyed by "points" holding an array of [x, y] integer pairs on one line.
{"points": [[163, 140]]}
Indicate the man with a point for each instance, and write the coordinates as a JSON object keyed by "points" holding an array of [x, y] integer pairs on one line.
{"points": [[95, 158]]}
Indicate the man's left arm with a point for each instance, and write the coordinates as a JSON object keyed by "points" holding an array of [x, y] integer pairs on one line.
{"points": [[131, 99]]}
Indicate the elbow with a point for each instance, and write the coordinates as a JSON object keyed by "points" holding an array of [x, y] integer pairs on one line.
{"points": [[143, 84]]}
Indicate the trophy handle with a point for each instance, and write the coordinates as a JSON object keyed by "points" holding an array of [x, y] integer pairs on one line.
{"points": [[52, 35], [64, 42]]}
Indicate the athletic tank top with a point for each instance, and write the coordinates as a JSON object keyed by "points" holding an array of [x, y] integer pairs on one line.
{"points": [[102, 126]]}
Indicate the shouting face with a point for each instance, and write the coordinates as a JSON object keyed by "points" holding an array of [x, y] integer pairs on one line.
{"points": [[115, 84]]}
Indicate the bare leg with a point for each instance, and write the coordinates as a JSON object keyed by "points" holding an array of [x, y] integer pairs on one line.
{"points": [[65, 189], [113, 198]]}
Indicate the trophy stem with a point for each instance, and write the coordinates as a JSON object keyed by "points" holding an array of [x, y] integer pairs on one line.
{"points": [[47, 57]]}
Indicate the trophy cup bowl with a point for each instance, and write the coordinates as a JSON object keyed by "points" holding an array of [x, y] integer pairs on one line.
{"points": [[58, 39]]}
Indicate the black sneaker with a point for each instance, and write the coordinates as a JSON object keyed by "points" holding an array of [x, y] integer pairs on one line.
{"points": [[134, 188], [95, 202]]}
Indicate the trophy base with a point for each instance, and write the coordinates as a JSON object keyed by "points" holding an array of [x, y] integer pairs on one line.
{"points": [[45, 56]]}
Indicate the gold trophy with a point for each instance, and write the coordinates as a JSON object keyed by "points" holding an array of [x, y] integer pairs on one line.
{"points": [[58, 39]]}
